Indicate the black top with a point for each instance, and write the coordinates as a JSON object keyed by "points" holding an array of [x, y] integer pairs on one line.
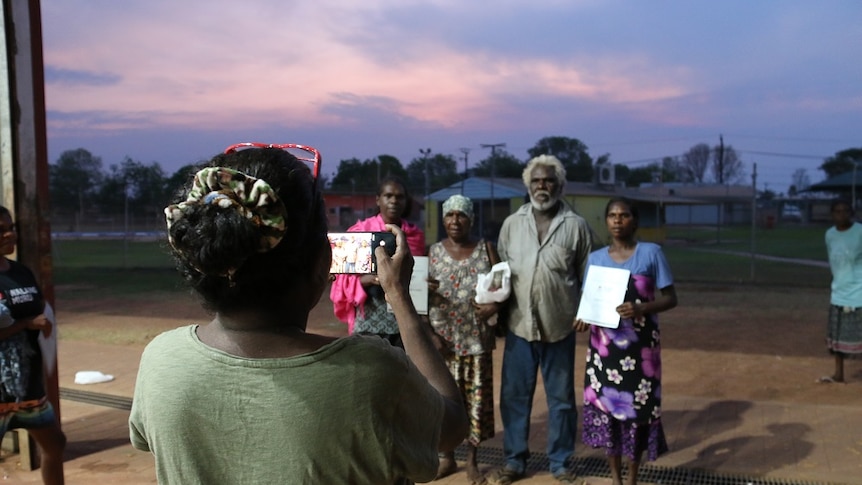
{"points": [[20, 292]]}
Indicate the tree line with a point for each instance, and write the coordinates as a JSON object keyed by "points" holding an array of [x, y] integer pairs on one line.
{"points": [[81, 187]]}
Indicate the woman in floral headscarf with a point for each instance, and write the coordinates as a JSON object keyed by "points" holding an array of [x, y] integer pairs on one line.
{"points": [[253, 396], [462, 332], [622, 385]]}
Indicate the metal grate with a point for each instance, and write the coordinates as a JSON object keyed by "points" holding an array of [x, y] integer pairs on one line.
{"points": [[538, 462], [598, 467], [96, 398]]}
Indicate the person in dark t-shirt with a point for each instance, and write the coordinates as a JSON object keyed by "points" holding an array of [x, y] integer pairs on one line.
{"points": [[23, 400]]}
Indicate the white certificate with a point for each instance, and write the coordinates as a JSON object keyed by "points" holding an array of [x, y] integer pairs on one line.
{"points": [[419, 284], [604, 290]]}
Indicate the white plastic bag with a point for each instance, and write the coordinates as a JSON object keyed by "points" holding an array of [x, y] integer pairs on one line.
{"points": [[92, 377], [494, 286]]}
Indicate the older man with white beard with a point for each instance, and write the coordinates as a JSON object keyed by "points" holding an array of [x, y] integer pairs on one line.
{"points": [[546, 245]]}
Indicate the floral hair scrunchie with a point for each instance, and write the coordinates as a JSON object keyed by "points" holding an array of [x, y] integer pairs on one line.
{"points": [[231, 189]]}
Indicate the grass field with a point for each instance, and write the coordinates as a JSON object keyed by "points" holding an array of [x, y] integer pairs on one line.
{"points": [[789, 241], [110, 253], [101, 268], [689, 252], [85, 269]]}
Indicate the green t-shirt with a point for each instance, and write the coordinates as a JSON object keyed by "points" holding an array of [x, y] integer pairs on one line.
{"points": [[356, 411]]}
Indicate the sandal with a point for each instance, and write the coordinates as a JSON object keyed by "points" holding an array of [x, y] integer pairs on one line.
{"points": [[828, 380], [503, 476], [567, 477]]}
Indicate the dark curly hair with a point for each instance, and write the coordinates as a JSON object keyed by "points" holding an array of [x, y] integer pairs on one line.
{"points": [[396, 180], [207, 240], [841, 201], [626, 202]]}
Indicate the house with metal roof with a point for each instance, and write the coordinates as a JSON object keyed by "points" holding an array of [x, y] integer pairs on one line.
{"points": [[658, 205]]}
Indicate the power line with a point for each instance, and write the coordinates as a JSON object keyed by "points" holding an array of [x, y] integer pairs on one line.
{"points": [[737, 150], [795, 139], [790, 155]]}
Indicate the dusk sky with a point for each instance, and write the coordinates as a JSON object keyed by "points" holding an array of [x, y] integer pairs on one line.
{"points": [[174, 82]]}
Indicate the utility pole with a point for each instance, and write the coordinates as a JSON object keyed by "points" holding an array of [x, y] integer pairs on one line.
{"points": [[466, 152], [493, 147], [425, 153]]}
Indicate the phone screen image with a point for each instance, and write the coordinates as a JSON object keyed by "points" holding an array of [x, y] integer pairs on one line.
{"points": [[353, 252]]}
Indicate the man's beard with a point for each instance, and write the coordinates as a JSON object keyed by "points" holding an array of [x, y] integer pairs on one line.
{"points": [[543, 206]]}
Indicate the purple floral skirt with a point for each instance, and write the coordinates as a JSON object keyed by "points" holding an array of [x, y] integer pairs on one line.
{"points": [[623, 437]]}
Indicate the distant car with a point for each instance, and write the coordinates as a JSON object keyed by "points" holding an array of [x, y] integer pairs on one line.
{"points": [[791, 213]]}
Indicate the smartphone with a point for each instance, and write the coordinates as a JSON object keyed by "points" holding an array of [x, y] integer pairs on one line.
{"points": [[353, 252]]}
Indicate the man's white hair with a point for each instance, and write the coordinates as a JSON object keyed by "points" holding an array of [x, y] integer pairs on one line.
{"points": [[545, 161]]}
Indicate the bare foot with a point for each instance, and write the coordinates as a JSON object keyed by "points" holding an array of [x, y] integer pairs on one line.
{"points": [[474, 475], [447, 466]]}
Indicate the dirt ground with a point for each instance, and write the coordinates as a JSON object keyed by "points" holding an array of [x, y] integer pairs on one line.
{"points": [[735, 342]]}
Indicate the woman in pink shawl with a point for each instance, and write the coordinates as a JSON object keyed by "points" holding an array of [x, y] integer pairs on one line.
{"points": [[358, 300]]}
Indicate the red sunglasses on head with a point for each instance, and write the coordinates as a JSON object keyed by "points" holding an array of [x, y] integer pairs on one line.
{"points": [[301, 152]]}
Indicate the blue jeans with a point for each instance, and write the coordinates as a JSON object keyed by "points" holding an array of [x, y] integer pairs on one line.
{"points": [[521, 362], [40, 416]]}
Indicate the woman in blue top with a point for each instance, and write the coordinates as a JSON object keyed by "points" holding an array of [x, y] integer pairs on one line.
{"points": [[622, 386], [844, 246]]}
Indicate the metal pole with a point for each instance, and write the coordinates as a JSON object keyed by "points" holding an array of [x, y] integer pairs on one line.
{"points": [[24, 162], [126, 225], [425, 152], [427, 211], [466, 152], [720, 211], [753, 218], [658, 215], [493, 147]]}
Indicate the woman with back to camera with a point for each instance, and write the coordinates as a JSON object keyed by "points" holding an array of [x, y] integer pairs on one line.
{"points": [[622, 384], [358, 300], [462, 332], [251, 397], [23, 400]]}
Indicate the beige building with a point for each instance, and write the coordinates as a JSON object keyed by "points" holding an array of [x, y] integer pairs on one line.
{"points": [[495, 200]]}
